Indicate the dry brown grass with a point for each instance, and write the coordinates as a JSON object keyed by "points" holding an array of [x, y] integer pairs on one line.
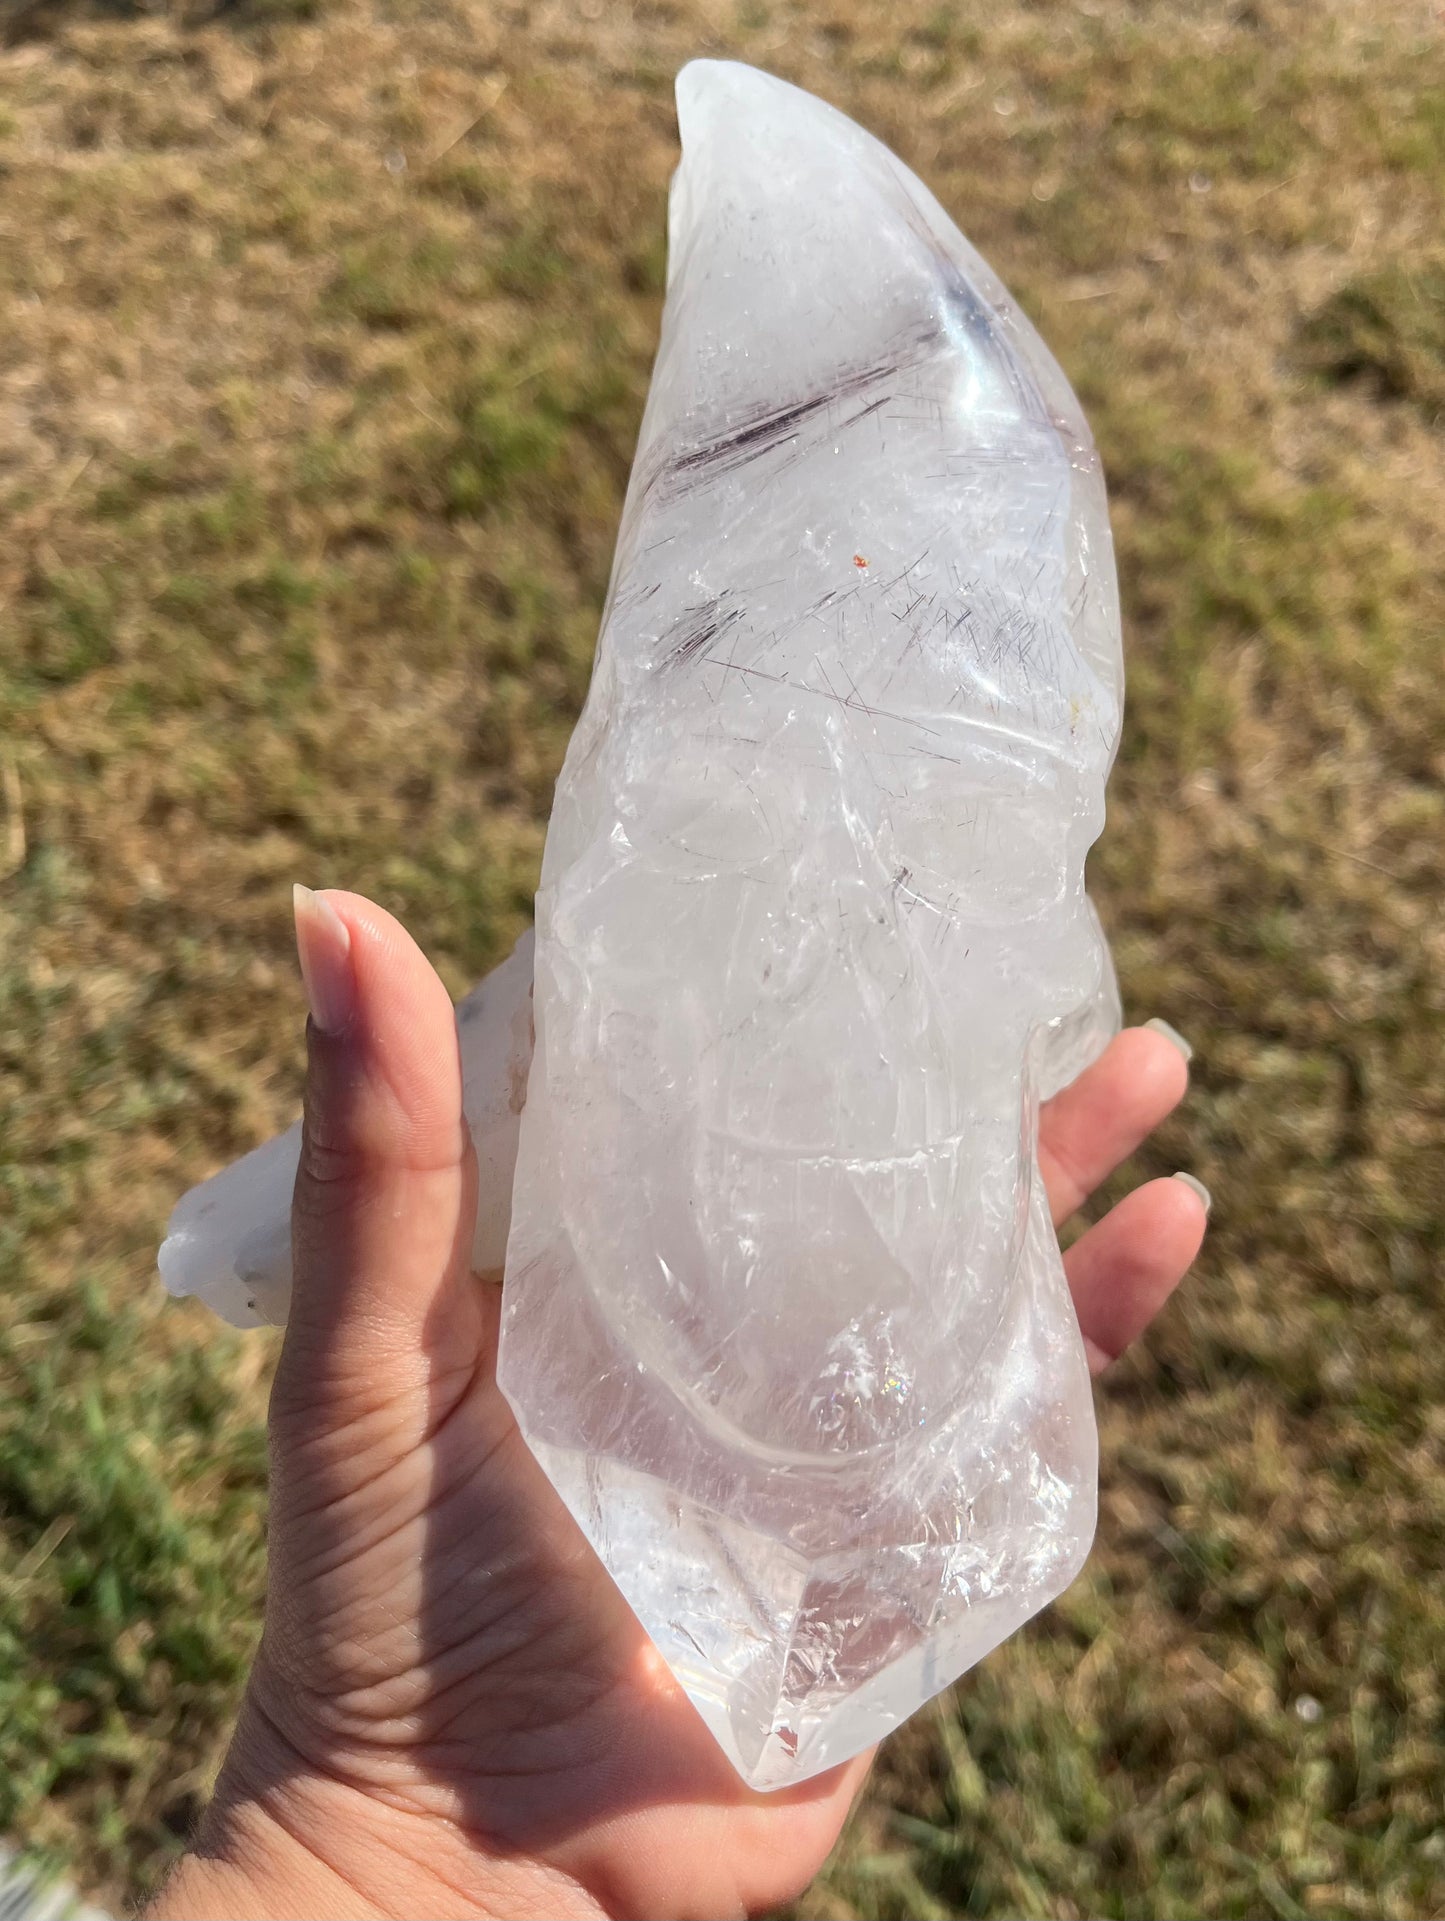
{"points": [[324, 330]]}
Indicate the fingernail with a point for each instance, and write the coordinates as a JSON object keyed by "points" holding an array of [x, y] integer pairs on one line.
{"points": [[1172, 1035], [1198, 1188], [323, 946]]}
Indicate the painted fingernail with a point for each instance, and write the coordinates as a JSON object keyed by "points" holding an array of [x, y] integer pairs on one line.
{"points": [[1196, 1187], [1172, 1035], [323, 946]]}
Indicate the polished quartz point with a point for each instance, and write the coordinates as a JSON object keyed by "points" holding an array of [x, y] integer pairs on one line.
{"points": [[785, 1320]]}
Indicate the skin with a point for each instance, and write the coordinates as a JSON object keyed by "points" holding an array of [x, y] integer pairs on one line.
{"points": [[453, 1711]]}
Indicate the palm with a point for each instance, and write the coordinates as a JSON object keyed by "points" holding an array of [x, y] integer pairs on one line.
{"points": [[439, 1634], [476, 1661]]}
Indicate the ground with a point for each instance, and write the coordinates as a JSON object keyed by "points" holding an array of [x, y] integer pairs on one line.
{"points": [[324, 332]]}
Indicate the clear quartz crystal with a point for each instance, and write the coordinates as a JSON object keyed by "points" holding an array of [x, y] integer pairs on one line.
{"points": [[785, 1319]]}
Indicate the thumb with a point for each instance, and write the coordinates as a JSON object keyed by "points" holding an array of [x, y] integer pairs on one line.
{"points": [[386, 1188]]}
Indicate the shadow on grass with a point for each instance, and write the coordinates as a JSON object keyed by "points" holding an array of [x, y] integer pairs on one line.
{"points": [[32, 20]]}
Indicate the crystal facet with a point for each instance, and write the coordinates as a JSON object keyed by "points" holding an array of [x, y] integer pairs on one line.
{"points": [[785, 1319]]}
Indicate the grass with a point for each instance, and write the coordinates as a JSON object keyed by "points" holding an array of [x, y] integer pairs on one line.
{"points": [[324, 334]]}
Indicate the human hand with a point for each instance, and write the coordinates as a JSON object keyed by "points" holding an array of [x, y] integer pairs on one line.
{"points": [[453, 1710]]}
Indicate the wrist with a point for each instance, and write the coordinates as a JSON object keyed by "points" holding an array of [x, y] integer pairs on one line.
{"points": [[246, 1862], [288, 1840]]}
